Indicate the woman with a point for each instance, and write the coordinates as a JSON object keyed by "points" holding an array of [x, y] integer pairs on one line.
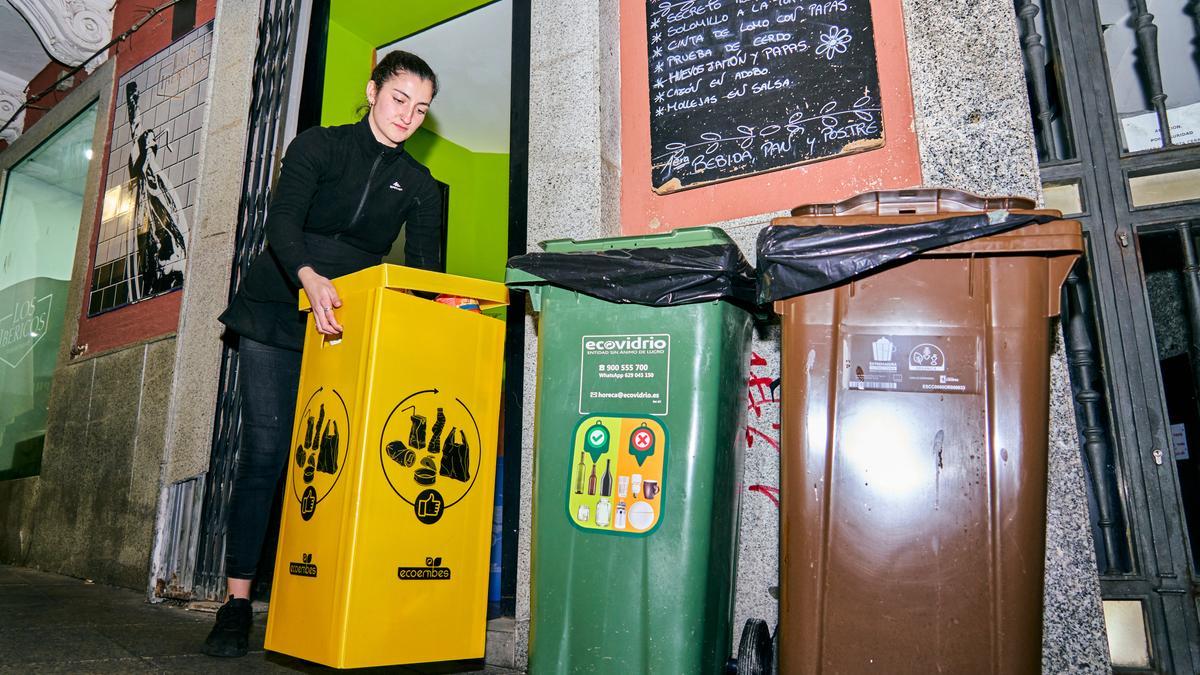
{"points": [[342, 196]]}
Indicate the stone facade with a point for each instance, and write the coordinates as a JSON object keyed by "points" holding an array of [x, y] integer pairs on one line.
{"points": [[127, 424], [966, 75]]}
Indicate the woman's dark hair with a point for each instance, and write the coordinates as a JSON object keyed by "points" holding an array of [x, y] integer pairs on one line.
{"points": [[403, 62]]}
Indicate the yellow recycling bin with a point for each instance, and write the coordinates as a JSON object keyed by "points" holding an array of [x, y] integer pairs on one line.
{"points": [[386, 527]]}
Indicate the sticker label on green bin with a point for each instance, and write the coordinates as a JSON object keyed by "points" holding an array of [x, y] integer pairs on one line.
{"points": [[930, 364], [630, 373], [616, 477]]}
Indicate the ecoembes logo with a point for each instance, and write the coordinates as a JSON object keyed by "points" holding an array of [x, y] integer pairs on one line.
{"points": [[303, 569], [432, 570], [623, 343]]}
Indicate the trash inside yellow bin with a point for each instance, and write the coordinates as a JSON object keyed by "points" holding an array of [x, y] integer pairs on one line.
{"points": [[386, 527]]}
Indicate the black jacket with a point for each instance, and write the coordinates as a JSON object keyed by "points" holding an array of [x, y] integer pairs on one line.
{"points": [[339, 204]]}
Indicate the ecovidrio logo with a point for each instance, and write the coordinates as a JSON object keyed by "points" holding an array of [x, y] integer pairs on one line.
{"points": [[626, 342]]}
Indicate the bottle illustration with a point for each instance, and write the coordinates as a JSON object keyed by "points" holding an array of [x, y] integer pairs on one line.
{"points": [[579, 475], [583, 513], [603, 512], [592, 481], [606, 480], [619, 523]]}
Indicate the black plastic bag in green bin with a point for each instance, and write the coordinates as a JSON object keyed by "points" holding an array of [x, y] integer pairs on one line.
{"points": [[657, 277]]}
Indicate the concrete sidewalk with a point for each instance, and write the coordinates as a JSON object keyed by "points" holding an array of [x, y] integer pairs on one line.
{"points": [[54, 624]]}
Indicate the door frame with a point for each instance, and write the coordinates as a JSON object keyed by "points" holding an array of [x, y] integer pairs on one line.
{"points": [[1159, 571]]}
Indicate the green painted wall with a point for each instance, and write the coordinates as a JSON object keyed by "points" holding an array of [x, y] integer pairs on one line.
{"points": [[478, 241], [478, 236], [348, 63]]}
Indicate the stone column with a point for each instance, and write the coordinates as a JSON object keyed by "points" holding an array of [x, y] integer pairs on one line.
{"points": [[976, 134], [574, 165], [198, 358]]}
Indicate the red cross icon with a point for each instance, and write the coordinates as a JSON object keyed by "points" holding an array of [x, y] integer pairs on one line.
{"points": [[642, 439]]}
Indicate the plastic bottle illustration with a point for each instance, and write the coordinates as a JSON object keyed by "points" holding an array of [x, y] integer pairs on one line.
{"points": [[603, 512], [619, 523], [606, 481], [579, 475], [592, 481]]}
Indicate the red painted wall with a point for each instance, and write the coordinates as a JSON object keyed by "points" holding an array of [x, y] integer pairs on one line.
{"points": [[158, 316], [37, 108], [895, 165]]}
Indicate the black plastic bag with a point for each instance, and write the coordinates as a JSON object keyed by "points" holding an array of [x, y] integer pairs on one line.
{"points": [[793, 260], [658, 277], [456, 458]]}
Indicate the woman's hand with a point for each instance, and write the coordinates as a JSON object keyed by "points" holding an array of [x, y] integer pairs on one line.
{"points": [[324, 299]]}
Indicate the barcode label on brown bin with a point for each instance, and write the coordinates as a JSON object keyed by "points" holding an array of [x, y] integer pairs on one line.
{"points": [[928, 364]]}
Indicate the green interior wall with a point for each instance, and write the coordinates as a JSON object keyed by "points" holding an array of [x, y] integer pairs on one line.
{"points": [[477, 244]]}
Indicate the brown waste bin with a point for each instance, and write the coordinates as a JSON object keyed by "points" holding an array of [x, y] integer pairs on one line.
{"points": [[914, 431]]}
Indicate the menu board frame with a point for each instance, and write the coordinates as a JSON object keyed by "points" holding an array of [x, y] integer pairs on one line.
{"points": [[744, 87]]}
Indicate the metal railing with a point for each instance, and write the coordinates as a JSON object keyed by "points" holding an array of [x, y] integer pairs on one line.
{"points": [[264, 145], [1092, 420]]}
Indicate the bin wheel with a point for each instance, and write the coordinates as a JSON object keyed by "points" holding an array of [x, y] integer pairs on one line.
{"points": [[754, 650]]}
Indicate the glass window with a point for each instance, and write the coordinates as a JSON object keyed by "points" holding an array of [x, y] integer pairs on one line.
{"points": [[1044, 78], [1168, 68], [39, 223]]}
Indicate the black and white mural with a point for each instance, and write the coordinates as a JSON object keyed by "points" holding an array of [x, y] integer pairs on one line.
{"points": [[150, 190]]}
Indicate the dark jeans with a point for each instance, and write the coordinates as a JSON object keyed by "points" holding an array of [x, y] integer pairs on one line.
{"points": [[267, 380]]}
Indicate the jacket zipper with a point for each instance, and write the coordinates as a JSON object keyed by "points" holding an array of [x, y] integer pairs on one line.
{"points": [[366, 188]]}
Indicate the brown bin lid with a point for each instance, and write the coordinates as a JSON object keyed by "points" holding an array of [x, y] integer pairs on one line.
{"points": [[913, 202], [904, 207]]}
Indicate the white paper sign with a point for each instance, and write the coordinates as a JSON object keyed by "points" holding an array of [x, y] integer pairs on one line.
{"points": [[1141, 131]]}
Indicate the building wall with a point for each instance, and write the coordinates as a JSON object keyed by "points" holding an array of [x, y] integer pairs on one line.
{"points": [[142, 387], [128, 422], [91, 511], [973, 132]]}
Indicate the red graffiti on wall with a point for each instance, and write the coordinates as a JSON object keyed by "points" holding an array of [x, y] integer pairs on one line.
{"points": [[772, 493], [762, 391]]}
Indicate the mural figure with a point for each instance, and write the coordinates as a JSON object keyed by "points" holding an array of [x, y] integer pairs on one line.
{"points": [[158, 215]]}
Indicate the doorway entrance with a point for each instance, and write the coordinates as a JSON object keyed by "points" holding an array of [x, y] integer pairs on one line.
{"points": [[313, 63], [1115, 91]]}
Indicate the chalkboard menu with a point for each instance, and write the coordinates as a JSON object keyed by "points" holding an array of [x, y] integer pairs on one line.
{"points": [[739, 87]]}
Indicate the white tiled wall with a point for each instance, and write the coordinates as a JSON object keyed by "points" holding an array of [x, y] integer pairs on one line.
{"points": [[173, 90]]}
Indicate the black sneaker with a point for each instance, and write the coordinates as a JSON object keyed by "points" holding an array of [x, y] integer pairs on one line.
{"points": [[231, 634]]}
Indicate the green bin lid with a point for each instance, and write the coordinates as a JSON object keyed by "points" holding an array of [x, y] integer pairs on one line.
{"points": [[687, 236], [683, 237]]}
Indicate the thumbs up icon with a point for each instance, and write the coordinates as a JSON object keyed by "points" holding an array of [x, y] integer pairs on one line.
{"points": [[429, 506]]}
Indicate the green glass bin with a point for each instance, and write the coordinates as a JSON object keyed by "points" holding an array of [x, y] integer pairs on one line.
{"points": [[637, 469]]}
